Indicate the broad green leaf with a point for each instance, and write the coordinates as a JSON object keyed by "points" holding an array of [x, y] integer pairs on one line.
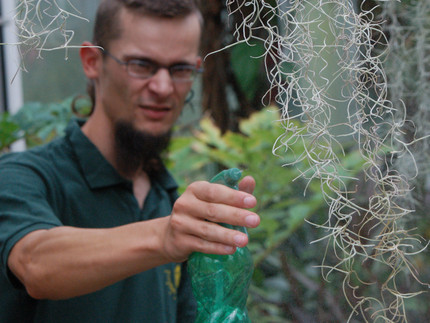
{"points": [[246, 62]]}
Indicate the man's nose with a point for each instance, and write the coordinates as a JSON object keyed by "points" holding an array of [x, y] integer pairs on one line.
{"points": [[161, 83]]}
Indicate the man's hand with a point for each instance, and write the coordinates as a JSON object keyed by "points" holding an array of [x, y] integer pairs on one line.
{"points": [[192, 226]]}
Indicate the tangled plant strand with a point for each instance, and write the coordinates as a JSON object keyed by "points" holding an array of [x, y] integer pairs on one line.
{"points": [[409, 32], [338, 90], [41, 23]]}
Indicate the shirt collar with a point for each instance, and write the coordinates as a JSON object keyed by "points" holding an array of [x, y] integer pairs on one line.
{"points": [[96, 169]]}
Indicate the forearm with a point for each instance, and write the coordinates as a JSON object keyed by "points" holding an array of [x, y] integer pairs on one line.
{"points": [[65, 262]]}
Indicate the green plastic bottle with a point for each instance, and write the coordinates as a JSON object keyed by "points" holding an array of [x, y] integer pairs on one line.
{"points": [[220, 282]]}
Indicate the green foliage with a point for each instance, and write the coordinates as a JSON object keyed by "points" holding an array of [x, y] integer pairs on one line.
{"points": [[9, 131], [38, 123], [282, 206], [246, 62]]}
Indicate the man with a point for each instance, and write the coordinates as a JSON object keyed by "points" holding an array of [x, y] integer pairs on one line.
{"points": [[89, 227]]}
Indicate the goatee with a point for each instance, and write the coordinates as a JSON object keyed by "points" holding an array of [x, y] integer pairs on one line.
{"points": [[136, 149]]}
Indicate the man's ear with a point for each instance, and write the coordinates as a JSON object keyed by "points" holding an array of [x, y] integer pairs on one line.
{"points": [[91, 58]]}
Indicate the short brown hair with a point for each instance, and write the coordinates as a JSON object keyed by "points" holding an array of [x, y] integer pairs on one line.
{"points": [[106, 26]]}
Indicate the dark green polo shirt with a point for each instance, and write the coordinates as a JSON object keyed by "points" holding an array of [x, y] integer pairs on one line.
{"points": [[68, 182]]}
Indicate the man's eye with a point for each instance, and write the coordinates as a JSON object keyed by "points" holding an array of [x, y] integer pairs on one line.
{"points": [[141, 67], [182, 70]]}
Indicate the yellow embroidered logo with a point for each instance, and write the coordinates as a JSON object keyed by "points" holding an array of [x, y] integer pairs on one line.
{"points": [[173, 279]]}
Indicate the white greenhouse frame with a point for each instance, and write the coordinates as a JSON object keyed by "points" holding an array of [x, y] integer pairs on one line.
{"points": [[11, 80]]}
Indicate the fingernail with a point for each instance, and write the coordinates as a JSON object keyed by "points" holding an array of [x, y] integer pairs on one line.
{"points": [[251, 220], [240, 240], [229, 249], [249, 201]]}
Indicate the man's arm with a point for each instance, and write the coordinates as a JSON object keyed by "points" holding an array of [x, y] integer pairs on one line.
{"points": [[64, 262]]}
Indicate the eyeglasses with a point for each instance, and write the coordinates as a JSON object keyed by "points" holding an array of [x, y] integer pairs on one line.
{"points": [[144, 69]]}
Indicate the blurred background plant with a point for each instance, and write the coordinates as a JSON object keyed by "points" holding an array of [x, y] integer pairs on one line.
{"points": [[37, 123], [286, 277]]}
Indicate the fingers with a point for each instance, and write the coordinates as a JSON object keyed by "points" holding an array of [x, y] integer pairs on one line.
{"points": [[217, 193], [218, 203], [247, 184], [186, 235], [194, 222], [209, 237], [218, 213]]}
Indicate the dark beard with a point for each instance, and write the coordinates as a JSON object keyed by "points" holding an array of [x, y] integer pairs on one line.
{"points": [[136, 150]]}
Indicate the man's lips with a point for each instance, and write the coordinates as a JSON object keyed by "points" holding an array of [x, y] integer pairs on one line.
{"points": [[154, 112]]}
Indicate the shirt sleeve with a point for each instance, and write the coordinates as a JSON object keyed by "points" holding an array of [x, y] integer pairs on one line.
{"points": [[24, 208]]}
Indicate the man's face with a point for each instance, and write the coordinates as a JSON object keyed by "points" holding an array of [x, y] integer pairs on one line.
{"points": [[151, 105]]}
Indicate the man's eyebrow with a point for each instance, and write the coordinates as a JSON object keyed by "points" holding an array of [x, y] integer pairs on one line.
{"points": [[149, 60], [138, 58]]}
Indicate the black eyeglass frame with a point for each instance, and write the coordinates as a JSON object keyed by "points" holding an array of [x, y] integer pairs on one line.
{"points": [[154, 67]]}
